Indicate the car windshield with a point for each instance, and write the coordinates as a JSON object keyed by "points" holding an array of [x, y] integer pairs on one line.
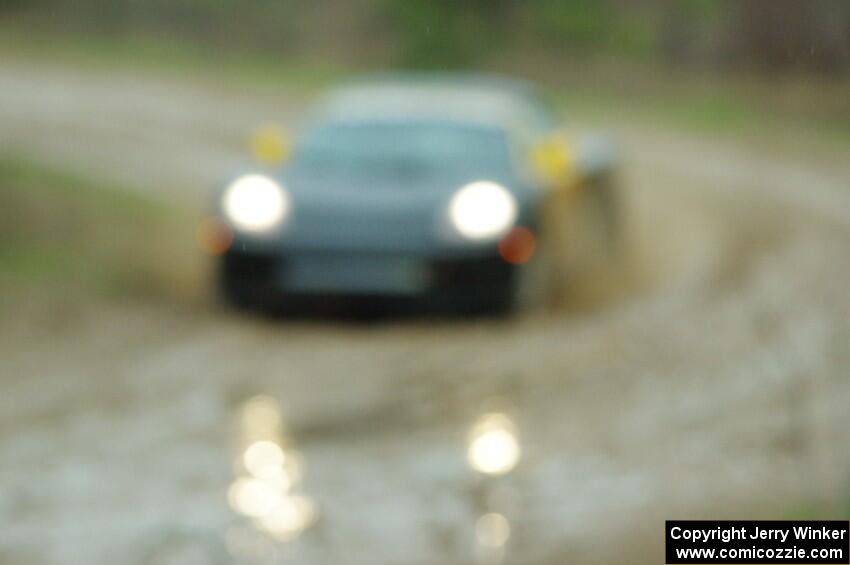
{"points": [[401, 148]]}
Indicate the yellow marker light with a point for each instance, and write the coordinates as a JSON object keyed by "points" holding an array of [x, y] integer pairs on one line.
{"points": [[269, 145], [553, 159]]}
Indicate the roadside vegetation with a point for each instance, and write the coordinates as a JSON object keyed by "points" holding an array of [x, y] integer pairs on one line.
{"points": [[77, 238]]}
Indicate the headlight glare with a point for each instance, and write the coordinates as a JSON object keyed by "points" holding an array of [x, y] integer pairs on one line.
{"points": [[255, 203], [482, 210]]}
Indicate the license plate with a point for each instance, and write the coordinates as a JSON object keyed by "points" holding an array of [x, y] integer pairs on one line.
{"points": [[368, 275]]}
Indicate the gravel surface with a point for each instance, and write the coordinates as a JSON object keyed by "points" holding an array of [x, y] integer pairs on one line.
{"points": [[714, 379]]}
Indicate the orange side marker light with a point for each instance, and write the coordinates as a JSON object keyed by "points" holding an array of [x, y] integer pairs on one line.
{"points": [[518, 246], [214, 236]]}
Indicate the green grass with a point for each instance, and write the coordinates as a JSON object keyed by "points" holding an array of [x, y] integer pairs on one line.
{"points": [[714, 114], [71, 234], [726, 111]]}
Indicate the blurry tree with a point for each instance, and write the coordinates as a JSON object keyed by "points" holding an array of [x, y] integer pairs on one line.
{"points": [[688, 32], [448, 33], [594, 26], [776, 35], [786, 34]]}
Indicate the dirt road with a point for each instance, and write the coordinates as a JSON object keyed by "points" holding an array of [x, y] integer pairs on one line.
{"points": [[720, 381]]}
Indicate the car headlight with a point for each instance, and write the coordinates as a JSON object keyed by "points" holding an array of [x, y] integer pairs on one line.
{"points": [[482, 210], [255, 203]]}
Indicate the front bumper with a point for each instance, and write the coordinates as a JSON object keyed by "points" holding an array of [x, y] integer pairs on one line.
{"points": [[270, 274]]}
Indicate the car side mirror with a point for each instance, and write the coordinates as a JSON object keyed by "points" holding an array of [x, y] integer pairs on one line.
{"points": [[553, 159], [270, 145]]}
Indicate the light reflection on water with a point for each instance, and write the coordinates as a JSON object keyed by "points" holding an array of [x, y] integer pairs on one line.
{"points": [[267, 489], [493, 451], [492, 531], [269, 471], [493, 445]]}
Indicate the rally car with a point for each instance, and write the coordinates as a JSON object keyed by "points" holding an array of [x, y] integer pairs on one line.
{"points": [[462, 192]]}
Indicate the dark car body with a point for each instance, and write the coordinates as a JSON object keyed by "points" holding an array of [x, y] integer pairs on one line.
{"points": [[369, 184]]}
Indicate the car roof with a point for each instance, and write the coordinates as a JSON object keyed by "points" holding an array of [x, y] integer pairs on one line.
{"points": [[474, 99]]}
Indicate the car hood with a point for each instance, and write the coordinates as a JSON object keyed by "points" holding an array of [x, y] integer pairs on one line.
{"points": [[338, 190], [370, 213]]}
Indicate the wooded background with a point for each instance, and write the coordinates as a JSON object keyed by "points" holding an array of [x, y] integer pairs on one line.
{"points": [[763, 36]]}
